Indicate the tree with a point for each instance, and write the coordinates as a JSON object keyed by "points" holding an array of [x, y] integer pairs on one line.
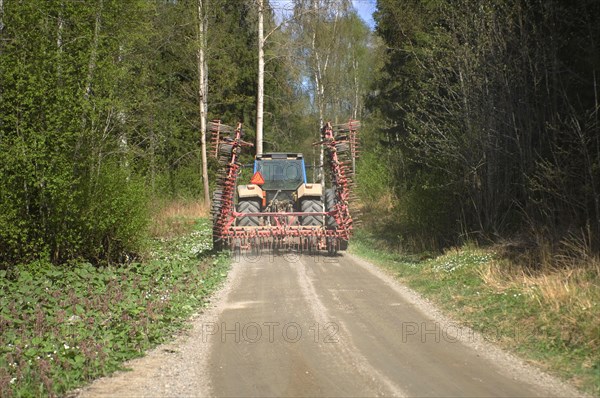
{"points": [[331, 43], [261, 79], [202, 91], [475, 106], [64, 193]]}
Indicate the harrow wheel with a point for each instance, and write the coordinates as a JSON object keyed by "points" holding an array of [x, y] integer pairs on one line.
{"points": [[216, 203], [342, 147]]}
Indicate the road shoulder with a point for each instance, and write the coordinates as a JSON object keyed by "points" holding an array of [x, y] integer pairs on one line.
{"points": [[511, 365]]}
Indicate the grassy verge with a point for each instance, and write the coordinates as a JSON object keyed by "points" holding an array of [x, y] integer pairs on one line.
{"points": [[175, 217], [61, 327], [550, 317]]}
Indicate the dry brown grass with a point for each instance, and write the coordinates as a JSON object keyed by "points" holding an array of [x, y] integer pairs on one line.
{"points": [[564, 293], [176, 217], [383, 204], [563, 275], [565, 288], [556, 287]]}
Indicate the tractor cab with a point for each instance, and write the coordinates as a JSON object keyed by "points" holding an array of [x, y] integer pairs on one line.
{"points": [[281, 174], [281, 170], [278, 184]]}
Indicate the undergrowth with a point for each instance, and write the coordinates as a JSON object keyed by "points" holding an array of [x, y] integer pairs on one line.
{"points": [[63, 326], [549, 317], [175, 217]]}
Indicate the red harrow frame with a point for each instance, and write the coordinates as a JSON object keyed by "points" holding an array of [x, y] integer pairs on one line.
{"points": [[282, 230]]}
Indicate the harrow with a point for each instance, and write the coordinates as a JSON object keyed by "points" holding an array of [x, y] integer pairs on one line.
{"points": [[279, 210]]}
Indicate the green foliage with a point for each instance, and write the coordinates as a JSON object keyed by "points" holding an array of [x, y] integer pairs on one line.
{"points": [[184, 181], [62, 326], [374, 179], [232, 56], [114, 217], [490, 126], [62, 133], [100, 99], [423, 217]]}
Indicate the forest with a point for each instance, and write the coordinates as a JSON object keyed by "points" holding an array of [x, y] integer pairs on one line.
{"points": [[480, 118]]}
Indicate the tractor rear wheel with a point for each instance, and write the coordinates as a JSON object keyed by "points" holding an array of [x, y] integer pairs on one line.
{"points": [[248, 206], [311, 205]]}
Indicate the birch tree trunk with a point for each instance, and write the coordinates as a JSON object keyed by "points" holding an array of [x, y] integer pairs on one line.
{"points": [[94, 52], [92, 63], [261, 79], [202, 92], [319, 88]]}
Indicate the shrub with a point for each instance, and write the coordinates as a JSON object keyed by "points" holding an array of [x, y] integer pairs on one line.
{"points": [[100, 218], [114, 216]]}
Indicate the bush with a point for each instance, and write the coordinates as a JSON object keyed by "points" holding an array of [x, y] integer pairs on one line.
{"points": [[100, 218], [61, 327], [420, 216], [183, 181], [374, 176], [115, 217], [427, 217]]}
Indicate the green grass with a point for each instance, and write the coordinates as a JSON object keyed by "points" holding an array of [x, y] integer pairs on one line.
{"points": [[61, 327], [550, 319]]}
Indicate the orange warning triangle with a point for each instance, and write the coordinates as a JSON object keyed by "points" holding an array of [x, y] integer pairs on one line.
{"points": [[257, 179]]}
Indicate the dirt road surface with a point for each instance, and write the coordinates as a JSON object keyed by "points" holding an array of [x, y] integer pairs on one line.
{"points": [[292, 325]]}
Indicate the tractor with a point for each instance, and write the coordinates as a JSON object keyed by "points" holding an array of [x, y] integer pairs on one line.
{"points": [[279, 208]]}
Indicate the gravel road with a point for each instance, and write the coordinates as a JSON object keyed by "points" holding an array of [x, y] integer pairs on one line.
{"points": [[292, 325]]}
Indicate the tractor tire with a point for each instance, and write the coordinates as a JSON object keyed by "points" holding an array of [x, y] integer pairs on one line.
{"points": [[311, 205], [248, 206], [329, 205]]}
